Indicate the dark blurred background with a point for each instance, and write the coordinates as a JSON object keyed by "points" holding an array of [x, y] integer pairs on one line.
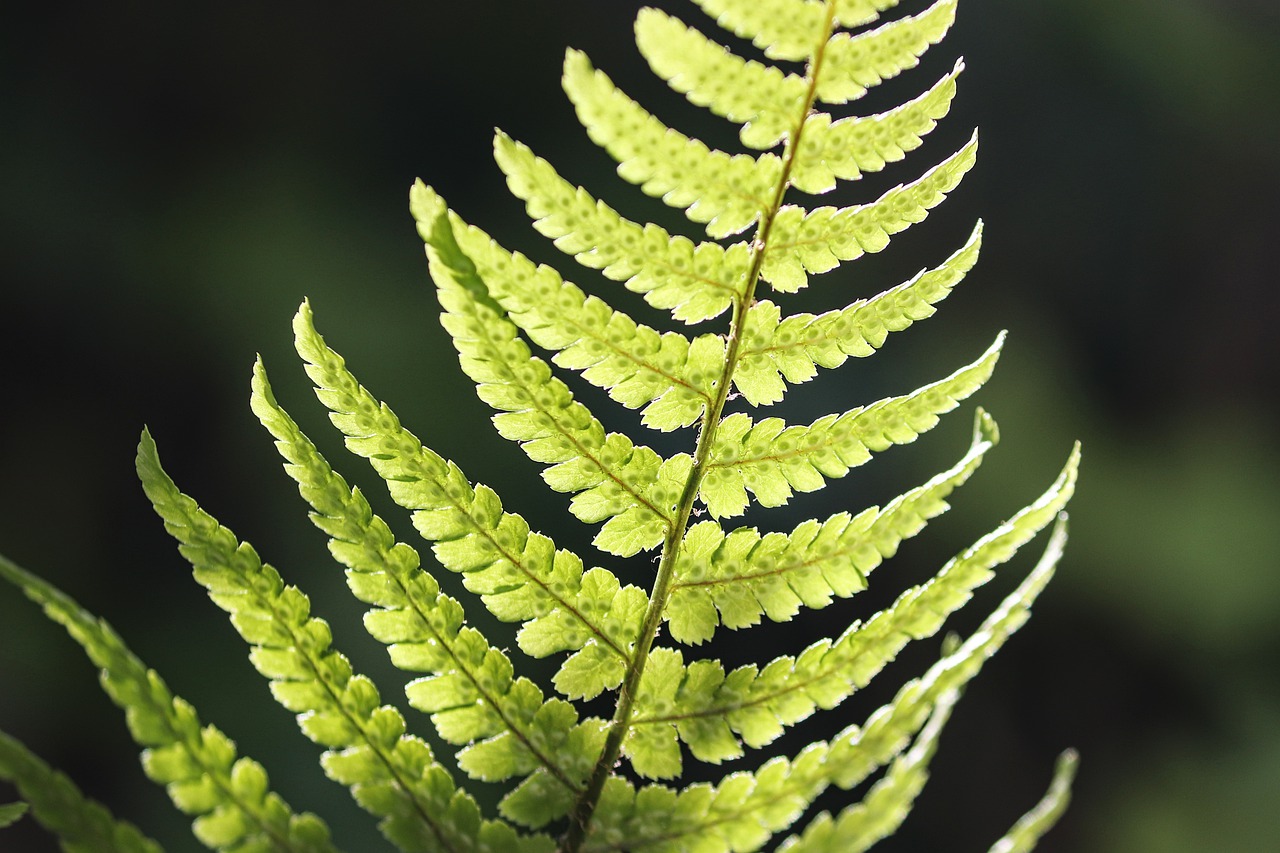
{"points": [[176, 178]]}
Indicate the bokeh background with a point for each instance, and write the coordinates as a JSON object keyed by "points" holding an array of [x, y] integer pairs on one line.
{"points": [[176, 177]]}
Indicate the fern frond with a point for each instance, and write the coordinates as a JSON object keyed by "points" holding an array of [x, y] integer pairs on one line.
{"points": [[851, 64], [668, 375], [734, 579], [760, 97], [726, 193], [80, 824], [1035, 823], [629, 487], [696, 281], [771, 460], [507, 726], [520, 575], [793, 348], [228, 796], [815, 241], [884, 808], [846, 148], [743, 811], [391, 774], [705, 707]]}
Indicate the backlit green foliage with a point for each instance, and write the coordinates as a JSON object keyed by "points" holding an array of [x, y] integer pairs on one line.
{"points": [[570, 782]]}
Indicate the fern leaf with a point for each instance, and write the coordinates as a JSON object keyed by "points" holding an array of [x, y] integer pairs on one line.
{"points": [[79, 823], [229, 797], [520, 575], [760, 97], [885, 806], [851, 64], [702, 705], [1035, 823], [793, 348], [696, 281], [783, 29], [628, 487], [742, 812], [727, 193], [391, 774], [815, 241], [667, 374], [846, 148], [471, 694], [734, 579], [771, 460]]}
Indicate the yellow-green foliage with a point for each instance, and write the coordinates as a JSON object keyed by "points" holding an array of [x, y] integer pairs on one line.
{"points": [[576, 783]]}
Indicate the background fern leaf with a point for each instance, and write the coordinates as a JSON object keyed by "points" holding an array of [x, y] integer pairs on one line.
{"points": [[1035, 823], [777, 348], [696, 281], [771, 460], [471, 694], [727, 193], [520, 575], [198, 765], [851, 64], [734, 579], [391, 774], [815, 241], [79, 823]]}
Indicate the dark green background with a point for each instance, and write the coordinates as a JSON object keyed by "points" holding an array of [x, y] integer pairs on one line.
{"points": [[177, 177]]}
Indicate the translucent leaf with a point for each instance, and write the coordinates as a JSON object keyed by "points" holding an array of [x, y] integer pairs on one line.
{"points": [[778, 350], [520, 575], [727, 193], [195, 763], [760, 97], [614, 480], [815, 241], [772, 460], [471, 690], [851, 64], [735, 579], [743, 810], [847, 147]]}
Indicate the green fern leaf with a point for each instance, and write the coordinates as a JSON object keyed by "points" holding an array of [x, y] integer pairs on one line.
{"points": [[391, 774], [520, 575], [1035, 823], [818, 240], [772, 461], [696, 281], [79, 823], [702, 705], [228, 795], [793, 348], [471, 693], [851, 64], [846, 148], [727, 193], [734, 579], [760, 97], [667, 374], [745, 809]]}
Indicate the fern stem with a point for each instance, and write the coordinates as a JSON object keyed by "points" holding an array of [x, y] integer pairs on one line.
{"points": [[580, 817]]}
